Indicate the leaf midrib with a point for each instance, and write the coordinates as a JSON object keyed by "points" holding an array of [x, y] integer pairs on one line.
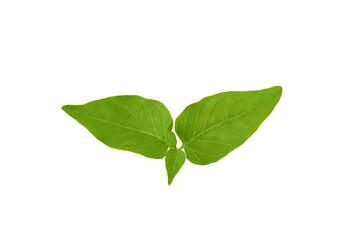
{"points": [[229, 119], [127, 127]]}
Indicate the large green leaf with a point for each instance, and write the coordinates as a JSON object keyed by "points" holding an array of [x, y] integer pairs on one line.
{"points": [[174, 160], [130, 123], [216, 125]]}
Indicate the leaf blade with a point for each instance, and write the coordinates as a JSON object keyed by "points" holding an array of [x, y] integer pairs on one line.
{"points": [[225, 120], [128, 122], [174, 160]]}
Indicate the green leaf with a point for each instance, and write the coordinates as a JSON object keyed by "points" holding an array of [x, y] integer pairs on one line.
{"points": [[128, 122], [174, 160], [216, 125]]}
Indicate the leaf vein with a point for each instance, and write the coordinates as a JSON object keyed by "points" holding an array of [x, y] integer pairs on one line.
{"points": [[226, 120], [123, 126]]}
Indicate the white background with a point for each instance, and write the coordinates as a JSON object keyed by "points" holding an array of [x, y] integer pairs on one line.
{"points": [[297, 177]]}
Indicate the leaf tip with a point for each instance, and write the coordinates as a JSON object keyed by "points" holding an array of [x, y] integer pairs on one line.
{"points": [[67, 108], [170, 181], [170, 178], [277, 92], [278, 89], [64, 108]]}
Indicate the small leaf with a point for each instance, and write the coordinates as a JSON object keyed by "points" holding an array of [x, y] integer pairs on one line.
{"points": [[216, 125], [174, 160], [128, 122]]}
